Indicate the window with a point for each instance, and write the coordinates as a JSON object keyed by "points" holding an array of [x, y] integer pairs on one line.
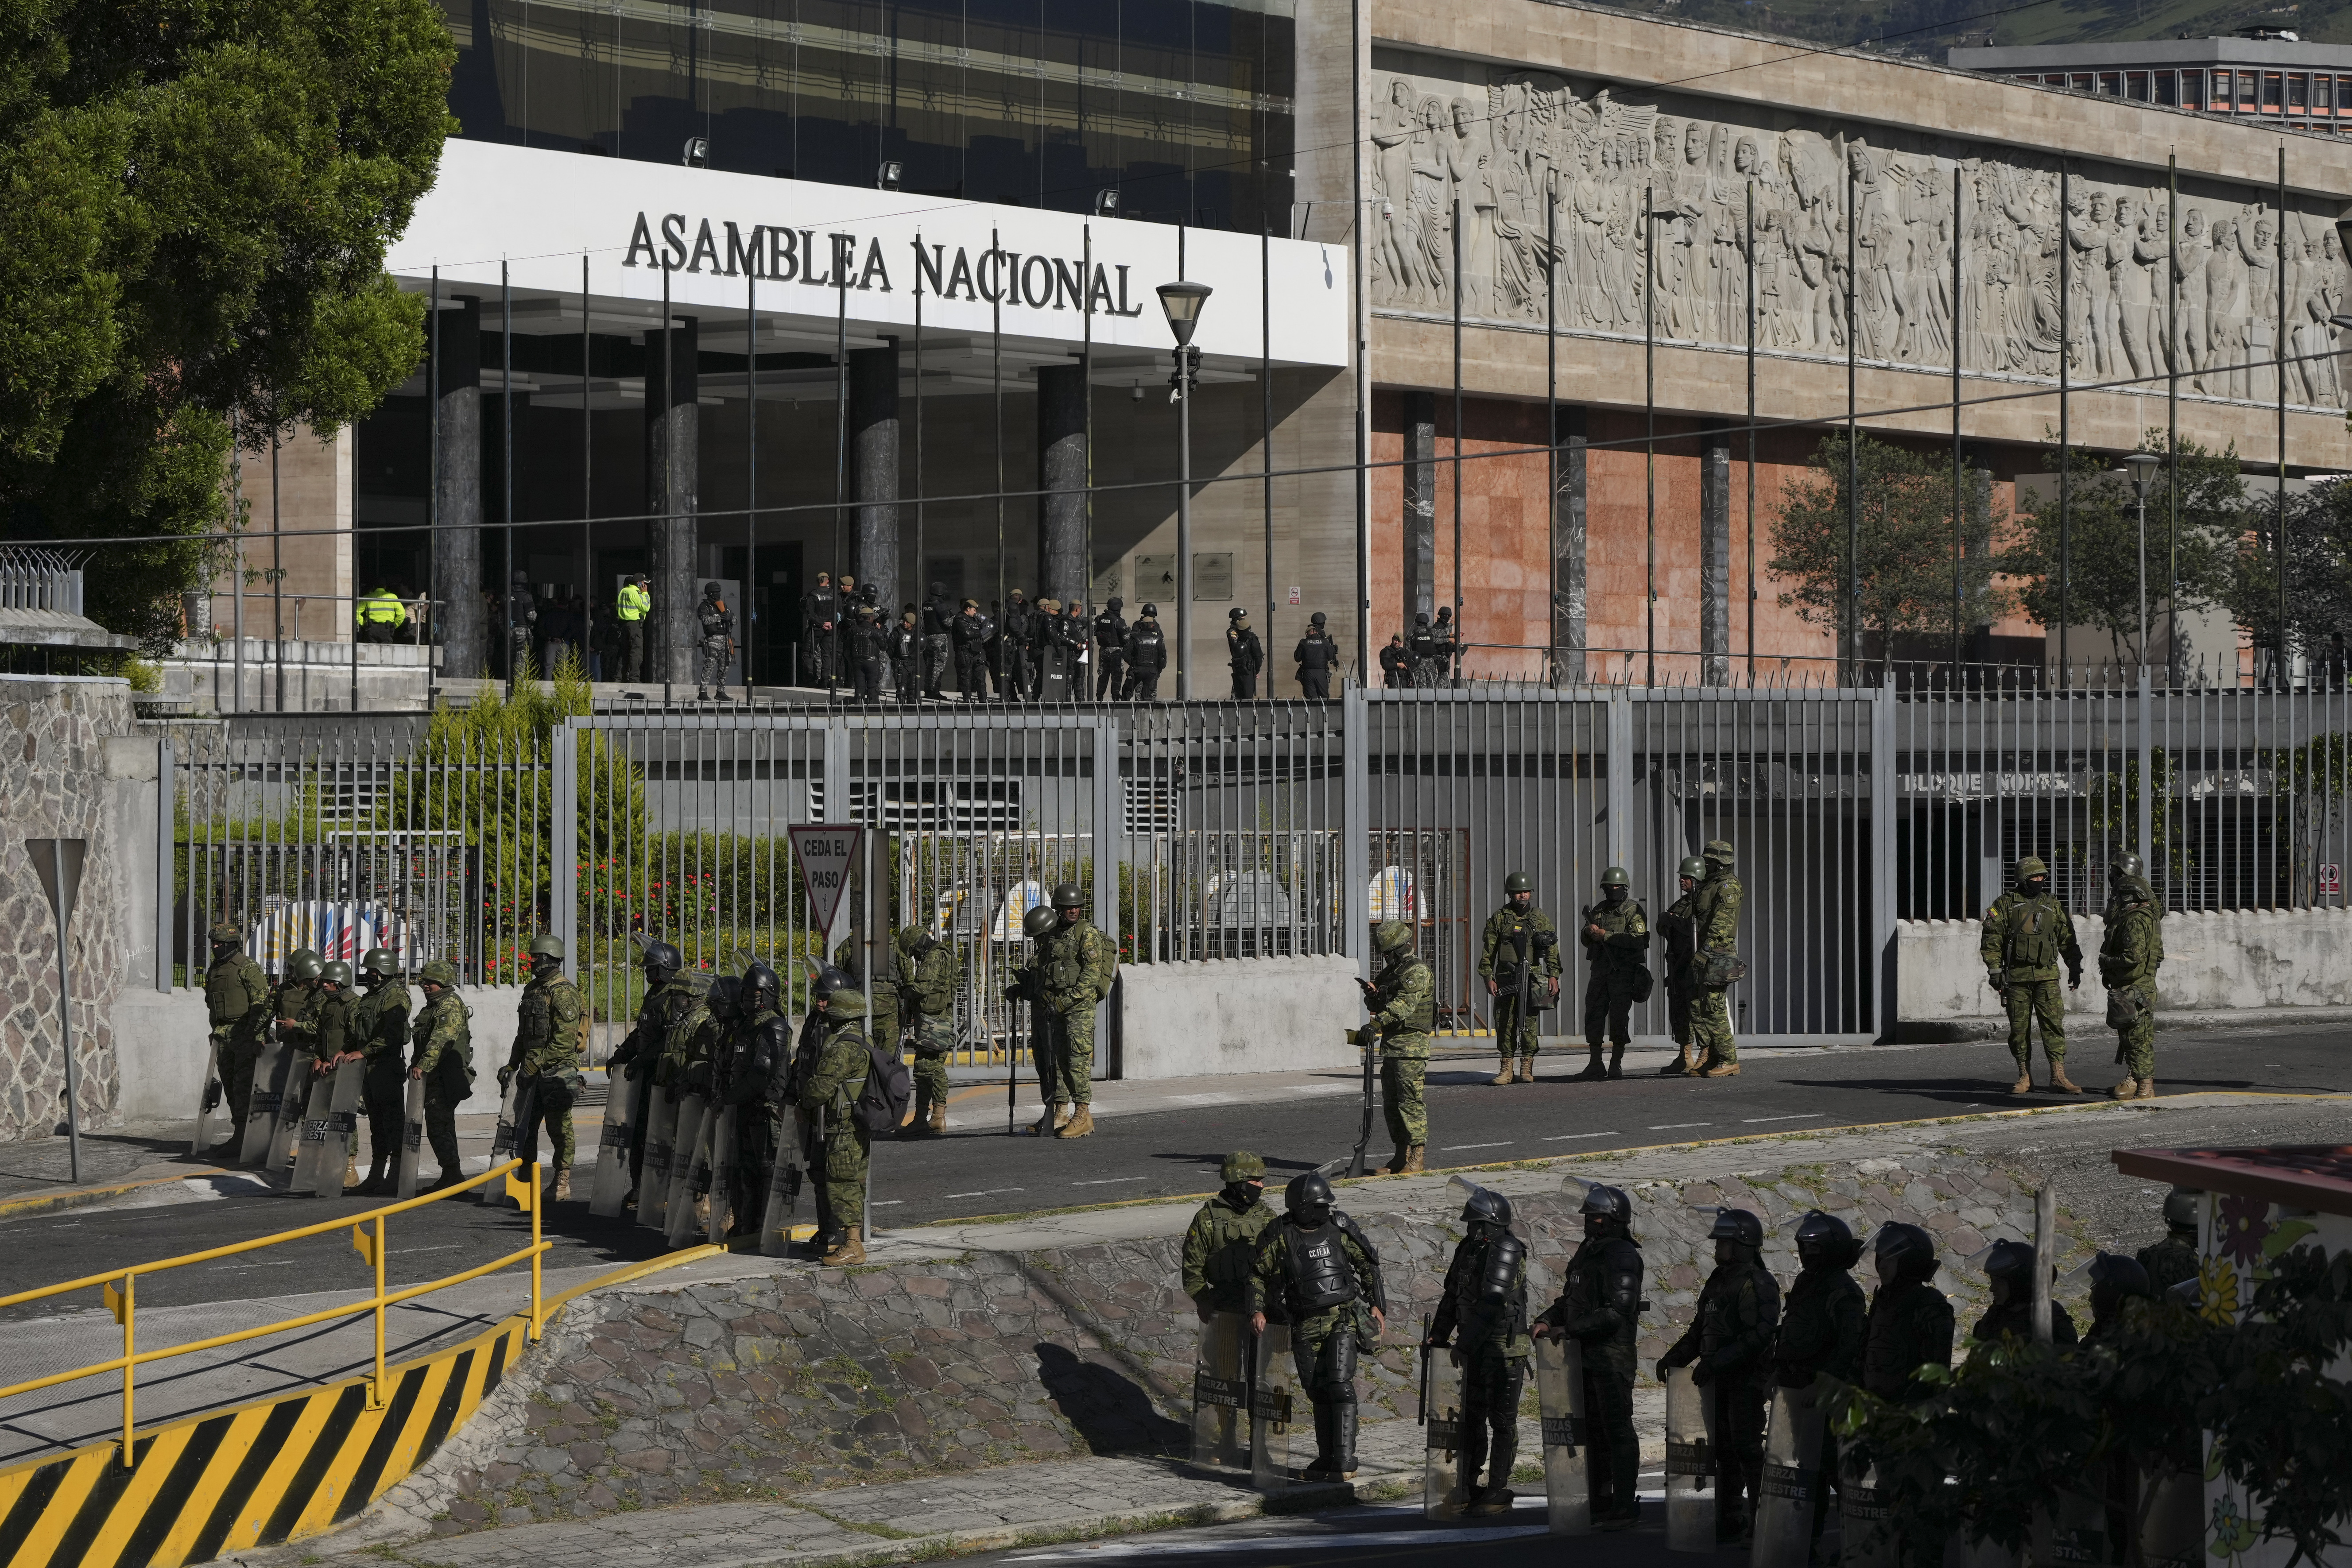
{"points": [[2299, 92], [2083, 82], [2167, 88], [2272, 85], [2111, 83], [2135, 86], [2192, 90]]}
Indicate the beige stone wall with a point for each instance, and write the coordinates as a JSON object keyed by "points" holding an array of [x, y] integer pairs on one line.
{"points": [[312, 492]]}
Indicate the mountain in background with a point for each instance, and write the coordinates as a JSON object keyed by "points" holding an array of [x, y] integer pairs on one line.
{"points": [[1925, 29]]}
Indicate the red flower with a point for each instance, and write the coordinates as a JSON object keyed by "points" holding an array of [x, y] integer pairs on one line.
{"points": [[2244, 1224]]}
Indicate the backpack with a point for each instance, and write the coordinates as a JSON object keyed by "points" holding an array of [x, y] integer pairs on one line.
{"points": [[882, 1103]]}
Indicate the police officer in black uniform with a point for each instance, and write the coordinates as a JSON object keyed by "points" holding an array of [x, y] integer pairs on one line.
{"points": [[522, 624], [939, 627], [1483, 1314], [2010, 1267], [668, 998], [1422, 647], [865, 644], [1013, 663], [820, 628], [970, 634], [1726, 1348], [1317, 655], [1146, 655], [715, 643], [1110, 651], [1245, 654], [905, 648], [1910, 1321], [1600, 1307], [751, 1067]]}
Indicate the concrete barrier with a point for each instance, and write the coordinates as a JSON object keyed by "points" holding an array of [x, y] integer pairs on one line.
{"points": [[1253, 1015]]}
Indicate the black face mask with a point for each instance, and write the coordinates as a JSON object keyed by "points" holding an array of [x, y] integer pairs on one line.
{"points": [[1240, 1194], [1613, 895]]}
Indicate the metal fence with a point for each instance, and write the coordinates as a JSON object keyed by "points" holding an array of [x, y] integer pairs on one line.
{"points": [[1212, 832]]}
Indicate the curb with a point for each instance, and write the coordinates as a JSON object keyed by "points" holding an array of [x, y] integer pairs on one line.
{"points": [[82, 1197]]}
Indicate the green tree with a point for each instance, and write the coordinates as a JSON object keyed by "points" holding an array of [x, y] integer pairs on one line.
{"points": [[199, 194], [2103, 547], [2319, 568], [1905, 538]]}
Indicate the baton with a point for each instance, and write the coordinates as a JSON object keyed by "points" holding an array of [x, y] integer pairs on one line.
{"points": [[1424, 1418], [1012, 1069], [1364, 1128]]}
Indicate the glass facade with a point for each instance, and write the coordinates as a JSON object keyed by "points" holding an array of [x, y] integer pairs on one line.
{"points": [[1183, 106]]}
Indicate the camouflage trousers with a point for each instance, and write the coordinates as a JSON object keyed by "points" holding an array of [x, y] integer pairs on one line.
{"points": [[1515, 1035], [844, 1160], [934, 1039], [1064, 1049], [2026, 1001], [2136, 1042], [711, 664], [441, 1131], [551, 1109], [1710, 1025], [1402, 1073], [235, 1064]]}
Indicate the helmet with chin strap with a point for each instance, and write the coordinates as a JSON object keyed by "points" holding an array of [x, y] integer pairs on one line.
{"points": [[1309, 1199]]}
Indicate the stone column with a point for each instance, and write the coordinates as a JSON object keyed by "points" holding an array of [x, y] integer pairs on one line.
{"points": [[672, 448], [1568, 538], [1420, 471], [1715, 554], [874, 473], [458, 499], [1062, 469]]}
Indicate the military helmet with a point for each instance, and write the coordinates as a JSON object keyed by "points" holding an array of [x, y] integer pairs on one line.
{"points": [[1117, 604], [2115, 1279], [380, 962], [438, 972], [1039, 921], [2128, 866], [1911, 1249], [2033, 865], [1392, 936], [1692, 867], [1068, 897], [1518, 882], [1241, 1165], [710, 590], [1308, 1197], [2182, 1209], [226, 931], [302, 964], [2011, 1260], [1827, 1239], [1487, 1206], [336, 972], [1149, 610], [1236, 614], [760, 987], [522, 579], [662, 955], [828, 979], [1317, 618], [1737, 1225], [1607, 1202], [1615, 876], [546, 946], [1717, 850]]}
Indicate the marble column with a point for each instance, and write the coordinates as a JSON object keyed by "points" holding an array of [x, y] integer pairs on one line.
{"points": [[672, 448], [1715, 554], [1062, 469], [460, 614], [874, 473], [1568, 541], [1419, 473]]}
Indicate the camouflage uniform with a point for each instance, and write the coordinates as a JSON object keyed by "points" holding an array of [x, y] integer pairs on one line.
{"points": [[296, 1009], [2130, 955], [333, 1035], [1221, 1249], [236, 1000], [1614, 965], [379, 1032], [1324, 1341], [2170, 1262], [1498, 961], [1729, 1341], [926, 993], [1403, 1002], [548, 1039], [445, 1057], [827, 1103], [1678, 928], [641, 1057], [2024, 938], [1071, 967], [1715, 912]]}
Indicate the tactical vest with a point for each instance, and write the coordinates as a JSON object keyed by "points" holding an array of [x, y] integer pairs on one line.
{"points": [[2033, 933], [1487, 1298], [1423, 1017], [1232, 1242], [1320, 1275]]}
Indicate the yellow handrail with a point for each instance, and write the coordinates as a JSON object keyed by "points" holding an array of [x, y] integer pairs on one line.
{"points": [[124, 1302]]}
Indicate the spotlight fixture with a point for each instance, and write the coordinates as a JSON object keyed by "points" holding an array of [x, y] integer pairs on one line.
{"points": [[886, 177], [1107, 201], [697, 155]]}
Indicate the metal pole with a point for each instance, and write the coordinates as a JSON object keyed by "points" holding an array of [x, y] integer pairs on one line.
{"points": [[2172, 409], [1454, 671], [1852, 667], [1183, 500], [2143, 574], [236, 568], [1551, 415], [2045, 1238], [1959, 508], [841, 444], [2065, 447], [64, 1014], [1359, 274], [433, 481], [1266, 422], [277, 574], [1649, 429], [1751, 433], [997, 383], [587, 477], [660, 631], [2278, 286], [1086, 423], [752, 474], [921, 567]]}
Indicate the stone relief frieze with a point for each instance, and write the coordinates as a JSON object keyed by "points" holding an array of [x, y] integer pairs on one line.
{"points": [[1570, 191]]}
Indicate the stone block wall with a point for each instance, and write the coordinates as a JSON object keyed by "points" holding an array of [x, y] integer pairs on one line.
{"points": [[786, 1378]]}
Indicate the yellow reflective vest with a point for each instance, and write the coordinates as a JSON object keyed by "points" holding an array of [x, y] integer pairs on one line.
{"points": [[635, 604]]}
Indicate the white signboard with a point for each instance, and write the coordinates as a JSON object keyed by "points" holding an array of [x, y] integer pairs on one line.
{"points": [[826, 853]]}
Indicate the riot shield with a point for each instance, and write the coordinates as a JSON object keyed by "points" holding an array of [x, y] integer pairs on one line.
{"points": [[327, 1138], [685, 1149], [293, 1107], [208, 1105], [2075, 1531], [412, 1137], [270, 1074], [516, 1133], [2172, 1520], [502, 1141], [1690, 1465], [783, 1191], [1277, 1408], [652, 1176], [1791, 1487], [721, 1144], [1442, 1496], [1864, 1519], [610, 1189], [1221, 1390], [1566, 1461]]}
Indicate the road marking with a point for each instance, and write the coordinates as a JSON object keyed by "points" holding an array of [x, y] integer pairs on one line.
{"points": [[1670, 1126], [1453, 1148], [1285, 1541], [1326, 1089], [1567, 1137], [1110, 1180], [886, 1203], [1801, 1116], [987, 1191]]}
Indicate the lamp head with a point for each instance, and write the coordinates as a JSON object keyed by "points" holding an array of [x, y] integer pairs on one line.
{"points": [[886, 178], [1107, 201], [2143, 466], [695, 154], [1182, 304]]}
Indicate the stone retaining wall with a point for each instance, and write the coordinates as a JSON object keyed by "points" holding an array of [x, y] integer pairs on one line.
{"points": [[788, 1377]]}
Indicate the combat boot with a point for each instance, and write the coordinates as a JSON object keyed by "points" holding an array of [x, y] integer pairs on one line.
{"points": [[449, 1178], [2125, 1088], [702, 1213], [1081, 1122], [564, 1185], [1592, 1070], [1396, 1167], [2024, 1084], [1492, 1499], [1054, 1115], [1413, 1157], [914, 1126], [1527, 1069], [350, 1172], [1721, 1069], [939, 1123], [2060, 1083], [374, 1186], [1616, 1061], [848, 1253], [2146, 1088], [1681, 1065], [1505, 1075]]}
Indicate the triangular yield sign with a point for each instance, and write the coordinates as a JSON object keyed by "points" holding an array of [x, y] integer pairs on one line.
{"points": [[826, 853]]}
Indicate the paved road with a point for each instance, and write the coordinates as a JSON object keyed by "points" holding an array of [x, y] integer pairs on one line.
{"points": [[1168, 1146]]}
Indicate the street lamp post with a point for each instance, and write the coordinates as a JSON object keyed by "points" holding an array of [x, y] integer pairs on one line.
{"points": [[1182, 302], [2143, 467]]}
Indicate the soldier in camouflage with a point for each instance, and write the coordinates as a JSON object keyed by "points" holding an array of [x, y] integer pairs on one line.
{"points": [[2130, 952], [1316, 1271], [2173, 1261], [1402, 1000], [1221, 1246], [827, 1105], [296, 1009], [671, 992], [1910, 1323], [550, 1036], [236, 1001], [2115, 1279], [1519, 951], [444, 1062], [1600, 1307], [1678, 929], [925, 987], [1483, 1317], [1715, 914], [2026, 933], [334, 1045], [756, 1055], [1616, 937], [1070, 970], [379, 1033], [1728, 1347]]}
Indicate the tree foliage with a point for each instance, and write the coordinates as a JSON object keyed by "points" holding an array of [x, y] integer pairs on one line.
{"points": [[2319, 567], [1905, 544], [199, 194]]}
